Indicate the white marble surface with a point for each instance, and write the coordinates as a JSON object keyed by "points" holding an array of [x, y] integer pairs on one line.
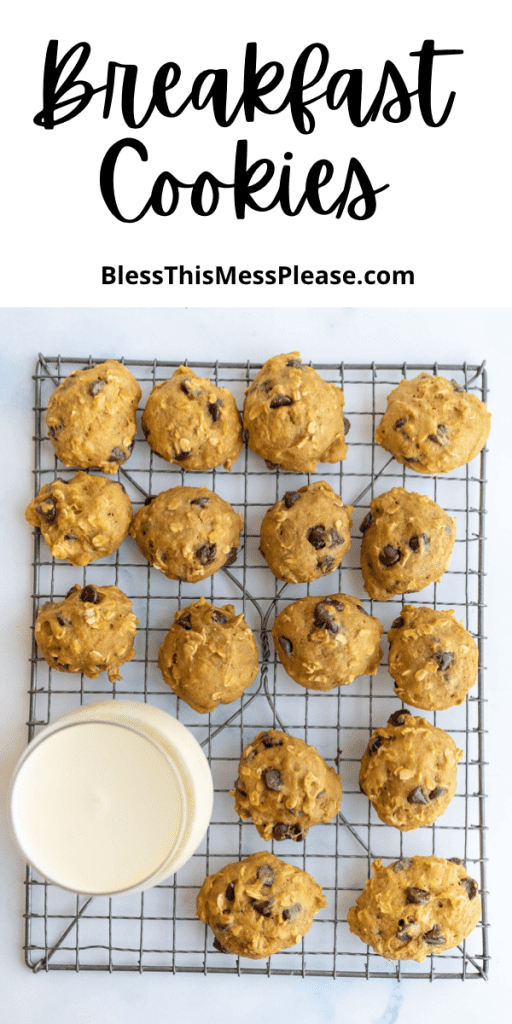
{"points": [[328, 334]]}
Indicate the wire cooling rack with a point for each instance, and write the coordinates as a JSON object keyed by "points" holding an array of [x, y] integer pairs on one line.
{"points": [[157, 930]]}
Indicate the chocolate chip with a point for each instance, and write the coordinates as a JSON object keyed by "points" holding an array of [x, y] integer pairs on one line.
{"points": [[55, 431], [231, 556], [456, 387], [239, 786], [220, 618], [117, 455], [62, 621], [184, 386], [266, 874], [325, 564], [336, 538], [181, 456], [206, 554], [69, 536], [409, 460], [96, 387], [444, 659], [433, 438], [286, 645], [441, 429], [403, 865], [271, 465], [72, 590], [214, 409], [323, 618], [281, 831], [290, 912], [437, 792], [367, 522], [456, 860], [414, 895], [318, 537], [290, 498], [272, 779], [280, 400], [434, 937], [470, 886], [216, 943], [184, 622], [294, 362], [416, 796], [202, 501], [374, 744], [270, 741], [149, 499], [398, 623], [263, 907], [414, 544], [389, 555], [403, 935], [48, 513], [230, 892], [346, 424], [399, 717], [90, 595], [363, 610], [399, 423]]}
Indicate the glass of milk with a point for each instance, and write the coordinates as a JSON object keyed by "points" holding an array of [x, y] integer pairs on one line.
{"points": [[111, 798]]}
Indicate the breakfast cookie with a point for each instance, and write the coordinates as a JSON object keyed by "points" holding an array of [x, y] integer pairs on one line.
{"points": [[187, 533], [259, 906], [209, 655], [415, 907], [432, 658], [91, 631], [432, 425], [306, 534], [81, 519], [293, 418], [325, 642], [91, 417], [285, 786], [407, 543], [409, 771], [190, 421]]}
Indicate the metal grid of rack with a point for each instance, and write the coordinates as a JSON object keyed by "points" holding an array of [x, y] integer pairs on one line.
{"points": [[157, 930]]}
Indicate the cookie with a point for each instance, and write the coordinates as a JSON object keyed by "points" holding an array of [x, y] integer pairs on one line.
{"points": [[187, 533], [209, 655], [81, 519], [91, 417], [91, 631], [293, 418], [306, 534], [190, 421], [407, 543], [415, 907], [259, 906], [432, 658], [285, 786], [409, 771], [432, 425], [323, 642]]}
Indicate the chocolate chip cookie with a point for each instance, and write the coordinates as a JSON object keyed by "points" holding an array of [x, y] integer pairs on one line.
{"points": [[187, 533], [432, 425], [407, 543], [409, 771], [259, 906], [415, 907], [327, 642], [91, 631], [190, 421], [306, 534], [432, 658], [285, 786], [293, 418], [209, 655], [81, 519], [91, 417]]}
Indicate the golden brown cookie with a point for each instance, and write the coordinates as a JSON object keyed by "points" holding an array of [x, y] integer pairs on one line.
{"points": [[259, 906], [81, 519], [91, 631], [432, 425], [209, 655], [285, 786], [409, 771], [187, 533], [407, 543], [91, 417], [306, 534], [325, 642], [293, 418], [415, 907], [432, 658], [190, 421]]}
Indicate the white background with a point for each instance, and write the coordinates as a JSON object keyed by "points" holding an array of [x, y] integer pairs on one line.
{"points": [[325, 335], [446, 214]]}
